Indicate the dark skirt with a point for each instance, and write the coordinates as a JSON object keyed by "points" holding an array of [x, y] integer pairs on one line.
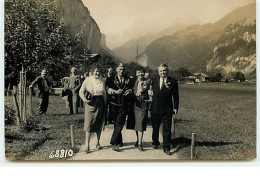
{"points": [[94, 115], [141, 116]]}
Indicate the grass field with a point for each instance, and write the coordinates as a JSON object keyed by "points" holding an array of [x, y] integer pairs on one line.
{"points": [[222, 116]]}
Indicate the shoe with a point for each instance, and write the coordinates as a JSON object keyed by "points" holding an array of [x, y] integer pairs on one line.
{"points": [[115, 148], [88, 150], [44, 114], [155, 146], [120, 145], [98, 147], [140, 147], [136, 144], [167, 152]]}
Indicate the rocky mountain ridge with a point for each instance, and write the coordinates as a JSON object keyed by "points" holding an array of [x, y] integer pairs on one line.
{"points": [[194, 46], [235, 51]]}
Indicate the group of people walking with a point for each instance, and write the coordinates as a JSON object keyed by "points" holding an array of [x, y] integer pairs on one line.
{"points": [[126, 98]]}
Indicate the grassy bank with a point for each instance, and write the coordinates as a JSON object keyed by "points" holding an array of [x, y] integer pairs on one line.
{"points": [[54, 135]]}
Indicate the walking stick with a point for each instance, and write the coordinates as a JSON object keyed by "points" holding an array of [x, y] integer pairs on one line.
{"points": [[173, 126]]}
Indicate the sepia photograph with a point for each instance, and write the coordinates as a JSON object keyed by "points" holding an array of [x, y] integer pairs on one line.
{"points": [[130, 80]]}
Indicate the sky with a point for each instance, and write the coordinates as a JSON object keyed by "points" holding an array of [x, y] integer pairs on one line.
{"points": [[123, 20]]}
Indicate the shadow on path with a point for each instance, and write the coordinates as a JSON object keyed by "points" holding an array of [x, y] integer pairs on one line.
{"points": [[182, 142]]}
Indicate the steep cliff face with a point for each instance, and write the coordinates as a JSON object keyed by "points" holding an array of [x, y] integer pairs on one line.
{"points": [[78, 18], [235, 51]]}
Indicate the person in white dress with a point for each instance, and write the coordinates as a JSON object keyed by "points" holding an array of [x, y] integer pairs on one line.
{"points": [[93, 94]]}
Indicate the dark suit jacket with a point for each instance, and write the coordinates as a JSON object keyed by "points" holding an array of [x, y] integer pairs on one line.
{"points": [[113, 83], [167, 98], [39, 81]]}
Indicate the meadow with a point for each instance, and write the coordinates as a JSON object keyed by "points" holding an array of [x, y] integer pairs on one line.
{"points": [[222, 116]]}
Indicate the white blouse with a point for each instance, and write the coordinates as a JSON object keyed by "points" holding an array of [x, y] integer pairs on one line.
{"points": [[98, 86]]}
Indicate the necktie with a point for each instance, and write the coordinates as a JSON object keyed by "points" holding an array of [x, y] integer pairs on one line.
{"points": [[120, 79], [162, 82]]}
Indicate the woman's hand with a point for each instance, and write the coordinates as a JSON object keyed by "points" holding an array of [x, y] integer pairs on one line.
{"points": [[119, 91], [150, 92], [87, 101], [127, 92]]}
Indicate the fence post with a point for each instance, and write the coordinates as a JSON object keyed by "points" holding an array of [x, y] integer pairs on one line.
{"points": [[18, 118], [24, 97], [8, 90], [72, 137], [193, 141], [30, 101], [20, 95]]}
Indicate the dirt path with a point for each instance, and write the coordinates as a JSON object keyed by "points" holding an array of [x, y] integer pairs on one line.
{"points": [[127, 152]]}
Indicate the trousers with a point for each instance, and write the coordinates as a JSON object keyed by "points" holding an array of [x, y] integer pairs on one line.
{"points": [[43, 103], [119, 114], [73, 99], [166, 120]]}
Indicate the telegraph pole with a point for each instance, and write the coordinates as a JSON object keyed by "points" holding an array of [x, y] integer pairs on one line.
{"points": [[136, 53]]}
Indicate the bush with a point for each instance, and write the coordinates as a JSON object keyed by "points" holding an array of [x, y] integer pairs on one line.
{"points": [[240, 76], [9, 115], [32, 125]]}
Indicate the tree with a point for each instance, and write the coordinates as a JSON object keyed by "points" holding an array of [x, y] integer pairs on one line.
{"points": [[36, 38], [218, 77], [239, 76], [130, 68], [182, 73]]}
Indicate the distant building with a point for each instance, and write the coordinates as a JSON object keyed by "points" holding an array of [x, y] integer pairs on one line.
{"points": [[80, 62], [201, 77], [190, 79]]}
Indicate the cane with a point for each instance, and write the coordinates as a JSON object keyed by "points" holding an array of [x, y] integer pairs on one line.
{"points": [[173, 126]]}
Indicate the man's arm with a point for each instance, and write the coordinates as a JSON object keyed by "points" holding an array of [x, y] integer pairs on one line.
{"points": [[175, 94], [50, 87], [79, 84], [110, 91], [129, 88], [150, 88], [35, 82], [66, 83], [109, 87]]}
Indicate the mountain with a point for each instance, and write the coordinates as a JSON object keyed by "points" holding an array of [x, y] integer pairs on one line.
{"points": [[105, 50], [127, 52], [235, 50], [194, 46], [77, 17]]}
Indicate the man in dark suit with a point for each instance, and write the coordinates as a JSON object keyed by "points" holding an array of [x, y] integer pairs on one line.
{"points": [[109, 115], [44, 86], [165, 103], [119, 88]]}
